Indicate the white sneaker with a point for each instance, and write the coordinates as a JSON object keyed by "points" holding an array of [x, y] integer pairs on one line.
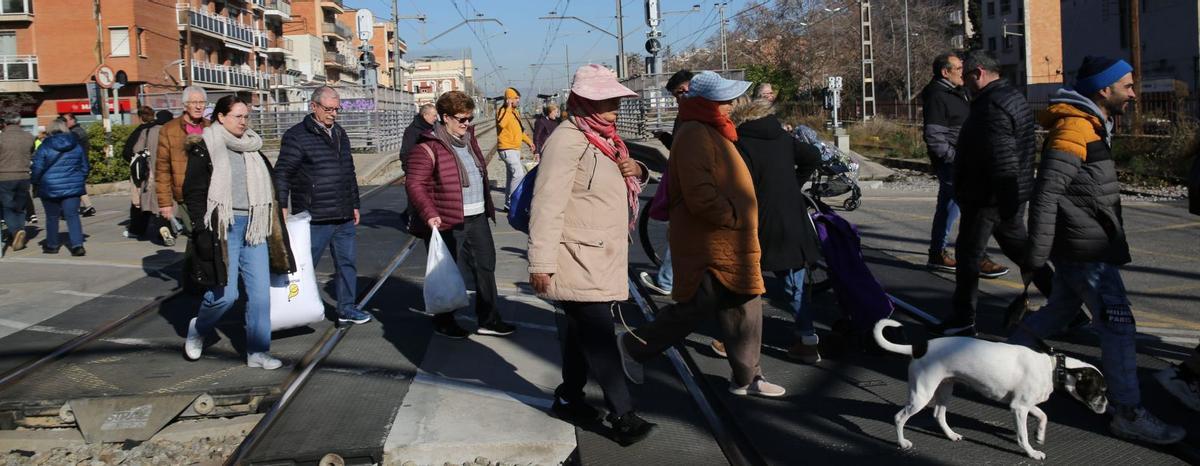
{"points": [[1186, 391], [194, 344], [167, 237], [759, 387], [263, 360], [1138, 424], [650, 283]]}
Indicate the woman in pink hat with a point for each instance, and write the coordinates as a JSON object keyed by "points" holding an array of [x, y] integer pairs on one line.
{"points": [[584, 204]]}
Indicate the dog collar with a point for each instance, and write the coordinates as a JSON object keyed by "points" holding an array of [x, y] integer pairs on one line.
{"points": [[1060, 370]]}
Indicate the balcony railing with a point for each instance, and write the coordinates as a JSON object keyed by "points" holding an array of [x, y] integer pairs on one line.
{"points": [[338, 59], [261, 4], [338, 29], [218, 25], [281, 8], [221, 75], [18, 67], [281, 45], [261, 41]]}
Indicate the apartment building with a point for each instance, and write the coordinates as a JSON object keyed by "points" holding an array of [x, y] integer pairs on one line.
{"points": [[1027, 38], [47, 51], [324, 29], [1170, 34], [431, 77], [384, 43]]}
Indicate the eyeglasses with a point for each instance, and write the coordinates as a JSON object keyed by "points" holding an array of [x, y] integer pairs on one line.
{"points": [[462, 120], [196, 103], [328, 109]]}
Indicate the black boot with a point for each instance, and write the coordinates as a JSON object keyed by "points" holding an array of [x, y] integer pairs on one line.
{"points": [[630, 429], [574, 410]]}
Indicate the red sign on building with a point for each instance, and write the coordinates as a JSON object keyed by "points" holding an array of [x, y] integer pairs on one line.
{"points": [[83, 106]]}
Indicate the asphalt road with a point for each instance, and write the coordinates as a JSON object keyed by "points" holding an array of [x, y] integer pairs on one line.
{"points": [[1162, 281]]}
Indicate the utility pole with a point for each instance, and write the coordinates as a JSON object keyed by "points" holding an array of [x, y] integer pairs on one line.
{"points": [[187, 51], [868, 61], [1135, 43], [621, 72], [396, 84], [567, 65], [724, 50], [908, 65], [103, 92]]}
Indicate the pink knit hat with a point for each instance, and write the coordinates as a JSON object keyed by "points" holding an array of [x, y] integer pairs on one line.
{"points": [[595, 82]]}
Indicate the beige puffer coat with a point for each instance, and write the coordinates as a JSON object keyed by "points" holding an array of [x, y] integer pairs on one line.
{"points": [[579, 223]]}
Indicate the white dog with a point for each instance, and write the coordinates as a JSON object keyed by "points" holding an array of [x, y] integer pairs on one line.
{"points": [[1011, 374]]}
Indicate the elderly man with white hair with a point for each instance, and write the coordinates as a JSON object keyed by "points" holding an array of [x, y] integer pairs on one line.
{"points": [[315, 172], [170, 164]]}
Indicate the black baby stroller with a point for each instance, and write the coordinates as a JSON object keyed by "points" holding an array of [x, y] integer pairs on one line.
{"points": [[837, 175]]}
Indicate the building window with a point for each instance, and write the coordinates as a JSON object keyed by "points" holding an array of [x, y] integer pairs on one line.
{"points": [[992, 44], [991, 9], [118, 42], [1005, 7], [141, 42], [10, 7], [8, 43]]}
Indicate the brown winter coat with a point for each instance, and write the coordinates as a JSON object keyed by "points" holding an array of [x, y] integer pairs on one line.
{"points": [[170, 168], [714, 214], [579, 221]]}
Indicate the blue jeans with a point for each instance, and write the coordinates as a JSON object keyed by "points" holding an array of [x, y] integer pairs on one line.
{"points": [[514, 170], [1098, 286], [253, 263], [66, 207], [666, 276], [793, 285], [14, 195], [947, 210], [341, 241]]}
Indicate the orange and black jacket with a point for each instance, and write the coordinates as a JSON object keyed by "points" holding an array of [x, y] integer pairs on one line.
{"points": [[1075, 213]]}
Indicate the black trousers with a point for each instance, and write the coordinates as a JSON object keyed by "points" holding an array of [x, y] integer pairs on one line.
{"points": [[975, 227], [471, 244], [140, 220], [588, 346]]}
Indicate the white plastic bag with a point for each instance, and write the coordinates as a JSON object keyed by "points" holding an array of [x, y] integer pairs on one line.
{"points": [[444, 287], [295, 301]]}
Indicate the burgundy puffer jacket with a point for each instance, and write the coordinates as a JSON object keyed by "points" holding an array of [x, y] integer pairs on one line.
{"points": [[434, 187]]}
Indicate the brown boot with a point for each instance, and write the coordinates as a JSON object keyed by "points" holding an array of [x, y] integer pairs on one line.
{"points": [[18, 240], [989, 269], [943, 262], [807, 354]]}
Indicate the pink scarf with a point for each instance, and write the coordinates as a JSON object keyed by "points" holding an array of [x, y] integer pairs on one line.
{"points": [[603, 134]]}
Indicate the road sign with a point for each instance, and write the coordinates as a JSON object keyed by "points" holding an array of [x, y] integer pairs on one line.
{"points": [[366, 24], [105, 77], [835, 83], [653, 46]]}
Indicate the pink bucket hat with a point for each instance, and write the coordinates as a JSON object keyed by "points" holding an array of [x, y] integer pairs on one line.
{"points": [[595, 82]]}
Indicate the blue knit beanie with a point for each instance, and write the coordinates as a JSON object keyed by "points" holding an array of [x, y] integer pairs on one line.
{"points": [[1098, 73]]}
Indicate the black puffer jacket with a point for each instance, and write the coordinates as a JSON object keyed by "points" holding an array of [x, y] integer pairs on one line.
{"points": [[316, 172], [1075, 214], [945, 107], [996, 149], [411, 134], [779, 164]]}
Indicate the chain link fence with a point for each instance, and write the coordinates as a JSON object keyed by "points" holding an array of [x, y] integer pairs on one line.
{"points": [[374, 118]]}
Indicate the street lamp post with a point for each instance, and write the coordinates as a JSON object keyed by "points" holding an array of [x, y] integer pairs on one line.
{"points": [[907, 65]]}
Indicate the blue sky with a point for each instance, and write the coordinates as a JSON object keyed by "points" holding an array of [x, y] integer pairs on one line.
{"points": [[524, 43]]}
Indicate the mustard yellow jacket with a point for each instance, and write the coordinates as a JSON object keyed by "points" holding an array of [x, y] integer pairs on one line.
{"points": [[510, 133]]}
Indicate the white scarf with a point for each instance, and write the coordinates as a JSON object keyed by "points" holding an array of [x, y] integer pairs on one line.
{"points": [[221, 146]]}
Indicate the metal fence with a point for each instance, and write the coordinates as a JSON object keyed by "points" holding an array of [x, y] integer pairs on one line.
{"points": [[374, 118], [655, 108]]}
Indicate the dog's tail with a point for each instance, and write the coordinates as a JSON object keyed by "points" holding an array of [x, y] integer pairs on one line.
{"points": [[884, 343]]}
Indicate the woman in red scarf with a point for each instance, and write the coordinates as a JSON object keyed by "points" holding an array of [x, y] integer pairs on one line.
{"points": [[714, 241], [584, 204]]}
